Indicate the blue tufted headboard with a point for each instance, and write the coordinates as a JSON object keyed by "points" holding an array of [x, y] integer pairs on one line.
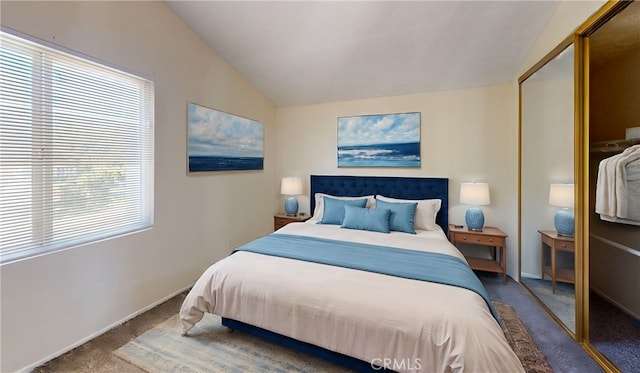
{"points": [[394, 187]]}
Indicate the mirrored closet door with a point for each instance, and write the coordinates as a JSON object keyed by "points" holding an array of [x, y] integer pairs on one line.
{"points": [[613, 139], [580, 111], [547, 183]]}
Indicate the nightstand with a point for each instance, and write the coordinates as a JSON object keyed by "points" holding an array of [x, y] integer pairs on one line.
{"points": [[556, 244], [490, 236], [280, 220]]}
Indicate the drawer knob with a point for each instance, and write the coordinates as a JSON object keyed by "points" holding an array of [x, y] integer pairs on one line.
{"points": [[478, 240], [490, 239], [564, 245], [464, 238]]}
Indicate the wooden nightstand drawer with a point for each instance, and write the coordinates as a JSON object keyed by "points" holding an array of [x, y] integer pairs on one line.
{"points": [[558, 242], [280, 220], [565, 246], [479, 240]]}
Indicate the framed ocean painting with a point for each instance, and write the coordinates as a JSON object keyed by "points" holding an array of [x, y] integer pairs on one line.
{"points": [[388, 140], [220, 141]]}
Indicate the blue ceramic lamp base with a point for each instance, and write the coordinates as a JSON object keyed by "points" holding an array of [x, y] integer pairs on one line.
{"points": [[474, 217], [291, 206], [564, 222]]}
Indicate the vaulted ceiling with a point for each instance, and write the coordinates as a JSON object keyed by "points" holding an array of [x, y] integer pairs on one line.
{"points": [[309, 52]]}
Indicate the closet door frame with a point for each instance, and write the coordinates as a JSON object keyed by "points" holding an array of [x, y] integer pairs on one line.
{"points": [[582, 213]]}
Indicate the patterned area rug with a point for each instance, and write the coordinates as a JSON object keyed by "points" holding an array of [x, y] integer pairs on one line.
{"points": [[210, 347], [521, 341]]}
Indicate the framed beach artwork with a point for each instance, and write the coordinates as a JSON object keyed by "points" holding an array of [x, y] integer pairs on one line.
{"points": [[220, 141], [387, 140]]}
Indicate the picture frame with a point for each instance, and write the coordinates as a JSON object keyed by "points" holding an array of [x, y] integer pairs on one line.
{"points": [[219, 141], [381, 140]]}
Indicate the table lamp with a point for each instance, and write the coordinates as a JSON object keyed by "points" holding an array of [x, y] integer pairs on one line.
{"points": [[474, 194], [291, 186], [561, 195]]}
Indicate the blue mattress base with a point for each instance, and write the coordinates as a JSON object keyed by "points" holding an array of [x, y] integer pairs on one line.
{"points": [[335, 357]]}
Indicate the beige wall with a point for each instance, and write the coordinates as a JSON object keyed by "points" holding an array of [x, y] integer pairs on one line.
{"points": [[614, 97], [568, 17], [54, 301], [466, 135]]}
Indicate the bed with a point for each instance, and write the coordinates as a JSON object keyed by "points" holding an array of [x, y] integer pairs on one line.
{"points": [[356, 294]]}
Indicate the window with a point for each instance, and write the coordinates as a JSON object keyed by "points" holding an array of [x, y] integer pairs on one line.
{"points": [[76, 150]]}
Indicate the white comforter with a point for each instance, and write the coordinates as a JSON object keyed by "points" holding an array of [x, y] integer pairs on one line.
{"points": [[409, 325]]}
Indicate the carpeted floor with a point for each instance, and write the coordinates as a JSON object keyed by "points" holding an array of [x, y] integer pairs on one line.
{"points": [[562, 302], [563, 354], [147, 343], [614, 333]]}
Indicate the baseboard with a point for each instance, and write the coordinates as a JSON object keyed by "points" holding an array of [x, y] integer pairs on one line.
{"points": [[31, 367], [530, 276], [618, 305]]}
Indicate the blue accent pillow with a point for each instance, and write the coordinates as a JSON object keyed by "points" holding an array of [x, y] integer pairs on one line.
{"points": [[376, 220], [334, 209], [402, 215]]}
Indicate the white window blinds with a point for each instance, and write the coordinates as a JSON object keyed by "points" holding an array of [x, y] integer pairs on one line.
{"points": [[76, 150]]}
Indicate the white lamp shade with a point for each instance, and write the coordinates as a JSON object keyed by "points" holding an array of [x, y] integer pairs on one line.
{"points": [[561, 195], [291, 186], [474, 194]]}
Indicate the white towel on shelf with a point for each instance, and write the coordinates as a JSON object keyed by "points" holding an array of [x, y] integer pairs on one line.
{"points": [[606, 187], [633, 190], [629, 156], [618, 186]]}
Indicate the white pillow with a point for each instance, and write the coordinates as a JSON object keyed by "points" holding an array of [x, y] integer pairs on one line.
{"points": [[318, 212], [425, 213]]}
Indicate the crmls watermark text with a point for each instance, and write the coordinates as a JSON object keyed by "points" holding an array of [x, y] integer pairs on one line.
{"points": [[396, 364]]}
